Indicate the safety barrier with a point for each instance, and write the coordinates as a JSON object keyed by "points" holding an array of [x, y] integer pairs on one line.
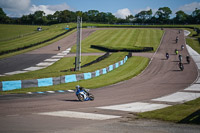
{"points": [[19, 84]]}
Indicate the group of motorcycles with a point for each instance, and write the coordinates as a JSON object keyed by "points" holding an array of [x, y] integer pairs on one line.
{"points": [[180, 64]]}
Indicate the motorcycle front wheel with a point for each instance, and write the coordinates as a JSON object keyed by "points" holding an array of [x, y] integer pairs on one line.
{"points": [[80, 97], [91, 97]]}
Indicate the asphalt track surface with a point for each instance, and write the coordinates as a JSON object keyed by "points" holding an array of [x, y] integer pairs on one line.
{"points": [[160, 78]]}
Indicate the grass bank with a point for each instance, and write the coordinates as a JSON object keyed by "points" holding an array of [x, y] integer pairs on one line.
{"points": [[126, 38], [27, 36], [131, 68], [193, 40], [188, 113]]}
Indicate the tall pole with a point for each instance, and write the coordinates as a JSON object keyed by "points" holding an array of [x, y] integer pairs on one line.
{"points": [[78, 46]]}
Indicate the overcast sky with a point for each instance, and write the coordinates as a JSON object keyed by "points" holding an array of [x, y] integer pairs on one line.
{"points": [[120, 8]]}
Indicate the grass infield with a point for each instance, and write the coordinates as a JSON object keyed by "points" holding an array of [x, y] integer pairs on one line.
{"points": [[126, 38], [187, 113]]}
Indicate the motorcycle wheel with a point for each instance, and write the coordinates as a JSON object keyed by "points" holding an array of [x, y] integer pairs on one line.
{"points": [[91, 97], [80, 97]]}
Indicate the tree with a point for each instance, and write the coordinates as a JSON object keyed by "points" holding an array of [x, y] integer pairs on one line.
{"points": [[92, 15], [3, 17], [196, 15], [130, 18], [143, 16], [39, 17], [163, 14], [110, 18], [181, 17]]}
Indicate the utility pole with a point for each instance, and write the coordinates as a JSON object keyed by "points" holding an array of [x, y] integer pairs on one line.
{"points": [[78, 46]]}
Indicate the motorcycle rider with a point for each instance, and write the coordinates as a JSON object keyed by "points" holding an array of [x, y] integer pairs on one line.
{"points": [[167, 55], [181, 66], [188, 59], [180, 58], [176, 51], [182, 47], [79, 88]]}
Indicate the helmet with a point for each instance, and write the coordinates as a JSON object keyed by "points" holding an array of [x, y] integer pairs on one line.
{"points": [[77, 87]]}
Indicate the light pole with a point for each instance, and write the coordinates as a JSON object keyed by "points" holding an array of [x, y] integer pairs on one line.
{"points": [[78, 46]]}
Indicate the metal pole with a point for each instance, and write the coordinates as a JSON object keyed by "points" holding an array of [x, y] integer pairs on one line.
{"points": [[78, 46]]}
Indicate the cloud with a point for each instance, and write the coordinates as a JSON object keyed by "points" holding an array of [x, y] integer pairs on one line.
{"points": [[136, 11], [189, 8], [17, 8], [13, 5], [49, 9], [122, 13]]}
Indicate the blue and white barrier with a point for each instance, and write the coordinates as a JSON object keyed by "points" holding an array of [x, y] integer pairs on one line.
{"points": [[19, 84]]}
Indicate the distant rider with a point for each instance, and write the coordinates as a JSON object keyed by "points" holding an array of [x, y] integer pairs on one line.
{"points": [[182, 47], [167, 55], [181, 66], [188, 59], [180, 58], [176, 51]]}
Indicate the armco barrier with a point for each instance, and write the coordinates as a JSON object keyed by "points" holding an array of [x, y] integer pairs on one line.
{"points": [[19, 84]]}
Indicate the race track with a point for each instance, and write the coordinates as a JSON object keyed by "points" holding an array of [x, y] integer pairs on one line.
{"points": [[160, 78]]}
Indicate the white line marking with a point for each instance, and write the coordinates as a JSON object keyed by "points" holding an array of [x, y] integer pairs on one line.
{"points": [[198, 65], [52, 60], [186, 32], [56, 56], [68, 49], [15, 72], [198, 81], [194, 87], [29, 93], [135, 107], [192, 51], [70, 90], [65, 52], [196, 58], [51, 91], [44, 64], [33, 68], [72, 114], [62, 54], [180, 97]]}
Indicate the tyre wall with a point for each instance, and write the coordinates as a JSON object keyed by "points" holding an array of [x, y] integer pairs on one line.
{"points": [[19, 84]]}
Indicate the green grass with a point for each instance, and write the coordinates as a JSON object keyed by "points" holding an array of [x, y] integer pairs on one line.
{"points": [[188, 113], [122, 38], [192, 40], [65, 64], [194, 43], [8, 32], [131, 68], [29, 39]]}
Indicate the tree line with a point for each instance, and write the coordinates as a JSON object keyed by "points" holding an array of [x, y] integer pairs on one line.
{"points": [[161, 16]]}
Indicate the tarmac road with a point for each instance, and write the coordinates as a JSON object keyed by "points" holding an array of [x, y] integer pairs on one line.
{"points": [[160, 78]]}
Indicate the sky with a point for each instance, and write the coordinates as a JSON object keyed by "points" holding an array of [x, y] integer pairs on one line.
{"points": [[119, 8]]}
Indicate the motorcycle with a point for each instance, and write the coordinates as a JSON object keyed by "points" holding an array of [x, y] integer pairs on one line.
{"points": [[84, 95], [167, 56], [188, 59], [180, 58], [181, 66]]}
